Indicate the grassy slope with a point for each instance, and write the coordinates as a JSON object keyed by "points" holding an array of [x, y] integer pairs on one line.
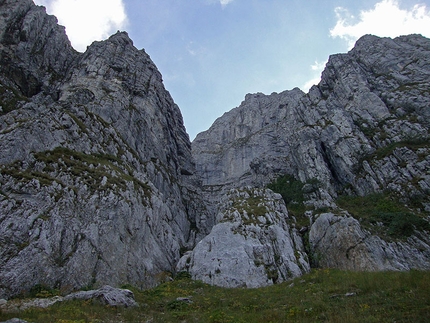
{"points": [[320, 296]]}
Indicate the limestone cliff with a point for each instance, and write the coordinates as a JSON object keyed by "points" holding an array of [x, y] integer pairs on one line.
{"points": [[361, 133], [99, 183], [94, 161]]}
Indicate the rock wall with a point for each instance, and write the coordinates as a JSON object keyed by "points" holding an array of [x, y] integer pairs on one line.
{"points": [[96, 167], [362, 130], [250, 246], [99, 183]]}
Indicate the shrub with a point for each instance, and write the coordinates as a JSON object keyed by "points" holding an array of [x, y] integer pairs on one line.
{"points": [[382, 208]]}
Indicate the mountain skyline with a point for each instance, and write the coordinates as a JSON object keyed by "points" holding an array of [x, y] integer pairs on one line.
{"points": [[212, 53]]}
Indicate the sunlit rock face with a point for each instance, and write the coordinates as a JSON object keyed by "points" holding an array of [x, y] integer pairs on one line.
{"points": [[251, 245], [99, 183], [96, 166], [364, 129]]}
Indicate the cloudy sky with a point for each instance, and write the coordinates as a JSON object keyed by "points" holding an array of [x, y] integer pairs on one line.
{"points": [[211, 53]]}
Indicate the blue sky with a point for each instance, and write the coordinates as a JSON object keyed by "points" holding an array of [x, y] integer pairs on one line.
{"points": [[211, 53]]}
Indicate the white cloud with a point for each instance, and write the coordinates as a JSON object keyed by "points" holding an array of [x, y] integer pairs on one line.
{"points": [[317, 69], [87, 20], [225, 2], [311, 82], [318, 66], [386, 19]]}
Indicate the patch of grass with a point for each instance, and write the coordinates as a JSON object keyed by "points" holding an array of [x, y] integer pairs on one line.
{"points": [[10, 99], [42, 291], [80, 123], [320, 296], [293, 194], [412, 144], [253, 205], [90, 167], [384, 215], [16, 172]]}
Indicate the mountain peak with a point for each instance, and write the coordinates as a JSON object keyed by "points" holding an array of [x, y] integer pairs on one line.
{"points": [[99, 183]]}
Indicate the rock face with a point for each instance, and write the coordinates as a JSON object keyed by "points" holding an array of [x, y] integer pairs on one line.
{"points": [[251, 246], [340, 242], [99, 183], [371, 100], [362, 131], [94, 161]]}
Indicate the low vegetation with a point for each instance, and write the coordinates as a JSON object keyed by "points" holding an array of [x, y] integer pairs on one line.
{"points": [[384, 215], [292, 191], [320, 296]]}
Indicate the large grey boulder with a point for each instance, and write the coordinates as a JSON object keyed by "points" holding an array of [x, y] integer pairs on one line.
{"points": [[251, 246], [106, 295], [341, 242]]}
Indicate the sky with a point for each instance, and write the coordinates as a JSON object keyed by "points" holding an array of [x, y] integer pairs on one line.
{"points": [[211, 53]]}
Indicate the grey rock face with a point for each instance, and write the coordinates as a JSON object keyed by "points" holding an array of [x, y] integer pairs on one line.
{"points": [[370, 99], [95, 163], [106, 295], [340, 242], [251, 246], [362, 130], [99, 183]]}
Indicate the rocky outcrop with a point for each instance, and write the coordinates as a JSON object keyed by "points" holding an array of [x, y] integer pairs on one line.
{"points": [[362, 130], [106, 295], [95, 162], [250, 246], [99, 183], [341, 242]]}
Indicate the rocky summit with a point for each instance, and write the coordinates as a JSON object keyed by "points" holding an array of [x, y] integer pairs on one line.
{"points": [[100, 185]]}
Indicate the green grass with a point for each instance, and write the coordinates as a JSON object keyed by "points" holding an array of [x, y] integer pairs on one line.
{"points": [[253, 205], [79, 163], [384, 215], [293, 195], [320, 296], [413, 144]]}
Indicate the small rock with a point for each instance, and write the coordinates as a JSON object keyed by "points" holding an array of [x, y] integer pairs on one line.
{"points": [[107, 295], [185, 299]]}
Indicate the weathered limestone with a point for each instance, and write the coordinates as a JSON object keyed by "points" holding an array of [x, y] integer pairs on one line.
{"points": [[251, 246], [94, 158], [99, 183], [340, 242]]}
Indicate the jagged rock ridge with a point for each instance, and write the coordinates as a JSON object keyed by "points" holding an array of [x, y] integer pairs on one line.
{"points": [[363, 130], [94, 161], [100, 184]]}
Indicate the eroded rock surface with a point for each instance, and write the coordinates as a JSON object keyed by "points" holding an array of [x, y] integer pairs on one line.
{"points": [[341, 242], [94, 158], [251, 246], [99, 183]]}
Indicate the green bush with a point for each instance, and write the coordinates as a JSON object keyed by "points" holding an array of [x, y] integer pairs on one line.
{"points": [[382, 208], [293, 195], [290, 189]]}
